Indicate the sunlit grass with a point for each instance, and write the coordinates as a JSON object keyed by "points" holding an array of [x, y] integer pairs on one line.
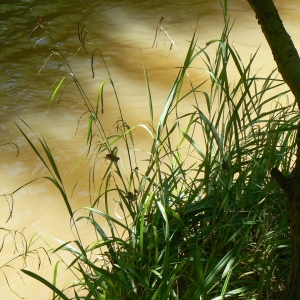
{"points": [[203, 219]]}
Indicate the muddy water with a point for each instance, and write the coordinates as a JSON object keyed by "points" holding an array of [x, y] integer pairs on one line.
{"points": [[123, 30]]}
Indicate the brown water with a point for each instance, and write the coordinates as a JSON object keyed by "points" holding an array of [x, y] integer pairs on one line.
{"points": [[121, 29]]}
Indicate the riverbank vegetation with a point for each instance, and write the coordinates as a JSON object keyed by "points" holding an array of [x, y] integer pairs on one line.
{"points": [[203, 219]]}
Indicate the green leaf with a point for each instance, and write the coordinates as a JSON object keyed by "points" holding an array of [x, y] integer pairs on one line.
{"points": [[47, 283], [56, 90]]}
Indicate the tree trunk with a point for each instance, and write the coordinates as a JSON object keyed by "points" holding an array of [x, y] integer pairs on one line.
{"points": [[288, 62]]}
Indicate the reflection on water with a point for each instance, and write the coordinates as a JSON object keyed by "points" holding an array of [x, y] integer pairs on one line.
{"points": [[123, 30]]}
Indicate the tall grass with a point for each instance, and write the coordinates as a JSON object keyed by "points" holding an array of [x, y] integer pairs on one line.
{"points": [[203, 220]]}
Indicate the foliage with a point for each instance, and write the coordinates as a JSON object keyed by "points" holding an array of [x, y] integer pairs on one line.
{"points": [[203, 219]]}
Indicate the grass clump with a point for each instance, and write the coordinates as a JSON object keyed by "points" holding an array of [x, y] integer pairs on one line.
{"points": [[203, 220]]}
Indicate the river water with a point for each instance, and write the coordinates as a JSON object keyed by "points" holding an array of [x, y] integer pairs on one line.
{"points": [[123, 30]]}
